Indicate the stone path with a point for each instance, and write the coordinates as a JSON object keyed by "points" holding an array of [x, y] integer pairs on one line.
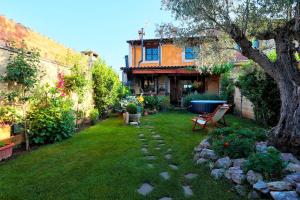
{"points": [[151, 157]]}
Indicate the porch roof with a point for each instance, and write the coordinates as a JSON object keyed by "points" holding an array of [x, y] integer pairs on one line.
{"points": [[162, 70]]}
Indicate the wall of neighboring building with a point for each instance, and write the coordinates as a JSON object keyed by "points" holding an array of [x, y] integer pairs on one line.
{"points": [[212, 85], [171, 55]]}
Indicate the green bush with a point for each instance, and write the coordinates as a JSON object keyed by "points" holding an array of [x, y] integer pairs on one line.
{"points": [[164, 102], [151, 102], [2, 144], [196, 96], [269, 164], [132, 108], [8, 115], [236, 143], [94, 114], [50, 118], [227, 87]]}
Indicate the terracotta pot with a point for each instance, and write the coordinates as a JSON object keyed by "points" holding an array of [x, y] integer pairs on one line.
{"points": [[5, 132], [135, 117], [6, 151]]}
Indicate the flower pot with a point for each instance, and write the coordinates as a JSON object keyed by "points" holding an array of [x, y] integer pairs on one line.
{"points": [[5, 132], [6, 151], [135, 117]]}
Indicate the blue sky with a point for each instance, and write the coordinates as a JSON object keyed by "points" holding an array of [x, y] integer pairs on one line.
{"points": [[99, 25]]}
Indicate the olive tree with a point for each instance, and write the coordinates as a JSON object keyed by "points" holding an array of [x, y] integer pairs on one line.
{"points": [[243, 20]]}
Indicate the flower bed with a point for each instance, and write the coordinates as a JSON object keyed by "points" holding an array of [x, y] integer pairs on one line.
{"points": [[256, 169]]}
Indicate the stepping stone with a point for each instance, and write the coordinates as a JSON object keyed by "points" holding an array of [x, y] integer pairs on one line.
{"points": [[160, 141], [149, 165], [174, 167], [169, 150], [150, 157], [190, 176], [144, 150], [160, 145], [141, 135], [143, 139], [145, 189], [166, 198], [187, 191], [156, 136], [165, 175], [157, 148], [168, 156]]}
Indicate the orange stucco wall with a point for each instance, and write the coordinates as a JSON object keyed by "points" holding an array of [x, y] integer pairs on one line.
{"points": [[171, 56]]}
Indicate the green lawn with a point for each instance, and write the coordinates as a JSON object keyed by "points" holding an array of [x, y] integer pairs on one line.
{"points": [[105, 162]]}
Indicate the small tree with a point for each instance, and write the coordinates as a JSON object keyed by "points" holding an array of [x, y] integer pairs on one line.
{"points": [[244, 20], [21, 76]]}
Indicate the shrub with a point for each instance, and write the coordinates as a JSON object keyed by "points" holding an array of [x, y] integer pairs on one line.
{"points": [[196, 96], [227, 87], [2, 144], [151, 102], [51, 118], [132, 108], [269, 164], [236, 143], [8, 115], [94, 114], [164, 102]]}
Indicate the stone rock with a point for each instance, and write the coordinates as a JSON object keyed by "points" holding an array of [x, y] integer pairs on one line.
{"points": [[149, 165], [223, 163], [261, 147], [253, 195], [293, 178], [290, 195], [241, 190], [279, 186], [145, 189], [291, 167], [165, 198], [253, 177], [211, 165], [262, 187], [141, 135], [157, 148], [165, 175], [187, 191], [174, 167], [208, 154], [198, 149], [204, 144], [144, 150], [288, 157], [217, 173], [190, 176], [239, 162], [168, 156], [156, 136], [150, 157], [298, 188], [235, 174], [201, 161], [134, 123], [169, 150], [196, 156]]}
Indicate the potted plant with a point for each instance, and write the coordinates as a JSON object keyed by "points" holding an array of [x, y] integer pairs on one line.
{"points": [[8, 116], [6, 150], [134, 116], [94, 115]]}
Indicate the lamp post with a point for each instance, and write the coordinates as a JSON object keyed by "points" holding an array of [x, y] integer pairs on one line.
{"points": [[141, 37]]}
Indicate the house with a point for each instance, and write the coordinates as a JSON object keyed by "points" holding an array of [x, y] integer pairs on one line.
{"points": [[160, 67]]}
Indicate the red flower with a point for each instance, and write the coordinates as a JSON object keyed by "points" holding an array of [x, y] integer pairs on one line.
{"points": [[226, 144]]}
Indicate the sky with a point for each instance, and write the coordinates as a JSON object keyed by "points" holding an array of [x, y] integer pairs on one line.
{"points": [[103, 26]]}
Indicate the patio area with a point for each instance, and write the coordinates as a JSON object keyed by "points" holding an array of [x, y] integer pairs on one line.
{"points": [[113, 161]]}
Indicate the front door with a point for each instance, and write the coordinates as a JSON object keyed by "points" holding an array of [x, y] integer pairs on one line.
{"points": [[174, 91]]}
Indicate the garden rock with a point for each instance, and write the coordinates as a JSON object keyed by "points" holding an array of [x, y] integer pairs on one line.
{"points": [[241, 190], [134, 123], [290, 195], [145, 189], [217, 173], [208, 154], [235, 174], [204, 144], [223, 163], [165, 198], [174, 167], [150, 157], [187, 191], [291, 167], [201, 161], [144, 150], [253, 195], [239, 162], [288, 157], [190, 176], [298, 188], [279, 186], [168, 156], [196, 156], [293, 178], [262, 187], [149, 165], [261, 147], [165, 175], [253, 177]]}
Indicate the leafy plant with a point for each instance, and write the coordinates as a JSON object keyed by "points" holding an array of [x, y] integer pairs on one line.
{"points": [[196, 96], [94, 114], [227, 87], [51, 118], [164, 102], [150, 102], [2, 144], [269, 164], [8, 115], [132, 108]]}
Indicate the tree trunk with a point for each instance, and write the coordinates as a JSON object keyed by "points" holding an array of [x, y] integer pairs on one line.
{"points": [[286, 135]]}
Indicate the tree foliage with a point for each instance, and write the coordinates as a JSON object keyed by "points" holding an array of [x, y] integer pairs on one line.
{"points": [[106, 85]]}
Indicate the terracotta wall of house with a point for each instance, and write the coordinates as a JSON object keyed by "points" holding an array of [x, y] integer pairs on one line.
{"points": [[171, 56]]}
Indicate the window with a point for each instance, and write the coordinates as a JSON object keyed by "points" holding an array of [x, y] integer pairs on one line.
{"points": [[191, 53], [151, 54]]}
